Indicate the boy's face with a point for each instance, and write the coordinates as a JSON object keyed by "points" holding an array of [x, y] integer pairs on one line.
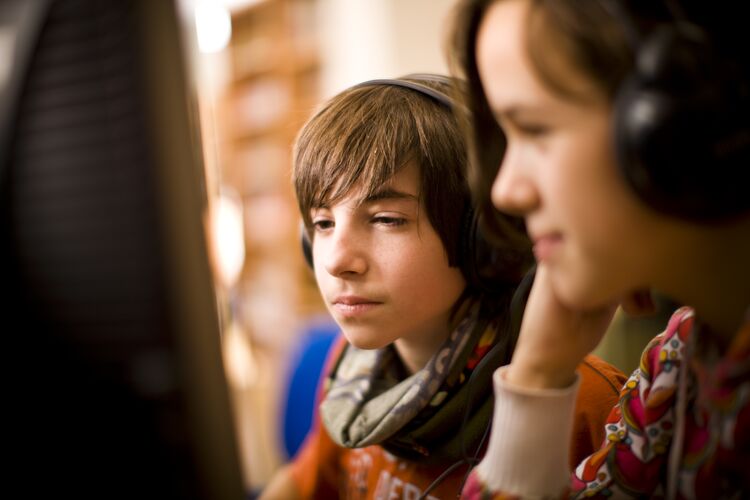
{"points": [[382, 268]]}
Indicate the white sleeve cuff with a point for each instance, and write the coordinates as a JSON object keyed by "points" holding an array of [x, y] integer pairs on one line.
{"points": [[530, 440]]}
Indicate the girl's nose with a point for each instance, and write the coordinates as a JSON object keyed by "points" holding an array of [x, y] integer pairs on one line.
{"points": [[513, 190]]}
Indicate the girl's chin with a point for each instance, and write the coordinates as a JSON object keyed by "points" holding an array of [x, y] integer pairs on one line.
{"points": [[580, 295]]}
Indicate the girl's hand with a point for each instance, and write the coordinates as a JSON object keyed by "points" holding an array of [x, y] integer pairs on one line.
{"points": [[554, 339]]}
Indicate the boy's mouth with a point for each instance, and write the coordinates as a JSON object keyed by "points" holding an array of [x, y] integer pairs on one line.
{"points": [[352, 305]]}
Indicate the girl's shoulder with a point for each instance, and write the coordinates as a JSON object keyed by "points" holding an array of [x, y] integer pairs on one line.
{"points": [[654, 382], [668, 346]]}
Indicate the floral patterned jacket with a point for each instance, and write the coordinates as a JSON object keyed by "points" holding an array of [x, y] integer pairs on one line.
{"points": [[681, 428]]}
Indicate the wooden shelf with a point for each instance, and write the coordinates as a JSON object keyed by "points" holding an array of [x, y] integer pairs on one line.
{"points": [[273, 90]]}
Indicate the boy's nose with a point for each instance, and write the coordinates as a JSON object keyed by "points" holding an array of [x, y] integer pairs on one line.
{"points": [[345, 253]]}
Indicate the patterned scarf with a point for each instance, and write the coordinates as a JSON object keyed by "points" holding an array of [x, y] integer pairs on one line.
{"points": [[370, 400]]}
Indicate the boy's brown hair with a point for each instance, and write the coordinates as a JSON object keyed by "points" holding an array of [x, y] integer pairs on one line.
{"points": [[365, 134]]}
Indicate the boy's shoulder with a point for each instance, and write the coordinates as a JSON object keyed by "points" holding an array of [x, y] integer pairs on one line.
{"points": [[594, 371]]}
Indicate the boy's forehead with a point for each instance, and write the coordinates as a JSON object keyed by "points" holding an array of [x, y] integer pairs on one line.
{"points": [[404, 183]]}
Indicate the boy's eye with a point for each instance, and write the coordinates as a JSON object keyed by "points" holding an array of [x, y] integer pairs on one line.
{"points": [[389, 221], [322, 224]]}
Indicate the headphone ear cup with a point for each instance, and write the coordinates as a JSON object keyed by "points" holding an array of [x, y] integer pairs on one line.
{"points": [[306, 247], [670, 117]]}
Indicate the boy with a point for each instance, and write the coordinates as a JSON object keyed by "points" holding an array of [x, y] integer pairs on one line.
{"points": [[379, 177]]}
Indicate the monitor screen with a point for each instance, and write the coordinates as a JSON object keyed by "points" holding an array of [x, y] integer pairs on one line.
{"points": [[114, 380]]}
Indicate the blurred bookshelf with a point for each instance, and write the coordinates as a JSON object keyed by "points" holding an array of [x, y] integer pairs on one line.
{"points": [[272, 89]]}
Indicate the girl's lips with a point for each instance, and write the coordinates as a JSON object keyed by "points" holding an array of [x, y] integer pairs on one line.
{"points": [[545, 246]]}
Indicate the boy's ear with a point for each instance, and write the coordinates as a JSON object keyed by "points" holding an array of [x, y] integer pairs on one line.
{"points": [[306, 245]]}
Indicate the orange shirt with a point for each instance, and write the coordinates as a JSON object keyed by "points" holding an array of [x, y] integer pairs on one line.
{"points": [[323, 469]]}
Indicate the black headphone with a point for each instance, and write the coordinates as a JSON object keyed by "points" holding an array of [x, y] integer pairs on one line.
{"points": [[682, 120], [476, 256]]}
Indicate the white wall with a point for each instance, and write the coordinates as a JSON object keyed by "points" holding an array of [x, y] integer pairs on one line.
{"points": [[365, 39]]}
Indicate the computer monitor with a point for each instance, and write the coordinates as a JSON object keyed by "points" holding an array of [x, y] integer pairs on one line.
{"points": [[114, 384]]}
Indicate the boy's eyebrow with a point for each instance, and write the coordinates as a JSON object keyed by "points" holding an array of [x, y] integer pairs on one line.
{"points": [[383, 194], [389, 194]]}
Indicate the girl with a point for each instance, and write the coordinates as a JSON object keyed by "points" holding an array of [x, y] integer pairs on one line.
{"points": [[624, 146]]}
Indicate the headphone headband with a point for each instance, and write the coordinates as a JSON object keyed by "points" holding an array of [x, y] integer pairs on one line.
{"points": [[409, 82]]}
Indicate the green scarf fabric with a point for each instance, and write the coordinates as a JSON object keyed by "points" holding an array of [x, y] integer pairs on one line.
{"points": [[369, 400]]}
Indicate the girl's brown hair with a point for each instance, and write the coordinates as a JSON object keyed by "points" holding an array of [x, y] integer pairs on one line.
{"points": [[582, 33]]}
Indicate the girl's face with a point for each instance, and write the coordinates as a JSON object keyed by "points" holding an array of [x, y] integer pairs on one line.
{"points": [[598, 242], [382, 268]]}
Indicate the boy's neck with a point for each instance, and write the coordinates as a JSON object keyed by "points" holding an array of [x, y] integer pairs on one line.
{"points": [[416, 352]]}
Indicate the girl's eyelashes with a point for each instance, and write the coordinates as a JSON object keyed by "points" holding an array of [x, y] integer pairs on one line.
{"points": [[533, 130], [520, 128], [530, 129]]}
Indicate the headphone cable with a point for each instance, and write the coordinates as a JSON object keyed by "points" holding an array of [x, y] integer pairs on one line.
{"points": [[517, 306]]}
